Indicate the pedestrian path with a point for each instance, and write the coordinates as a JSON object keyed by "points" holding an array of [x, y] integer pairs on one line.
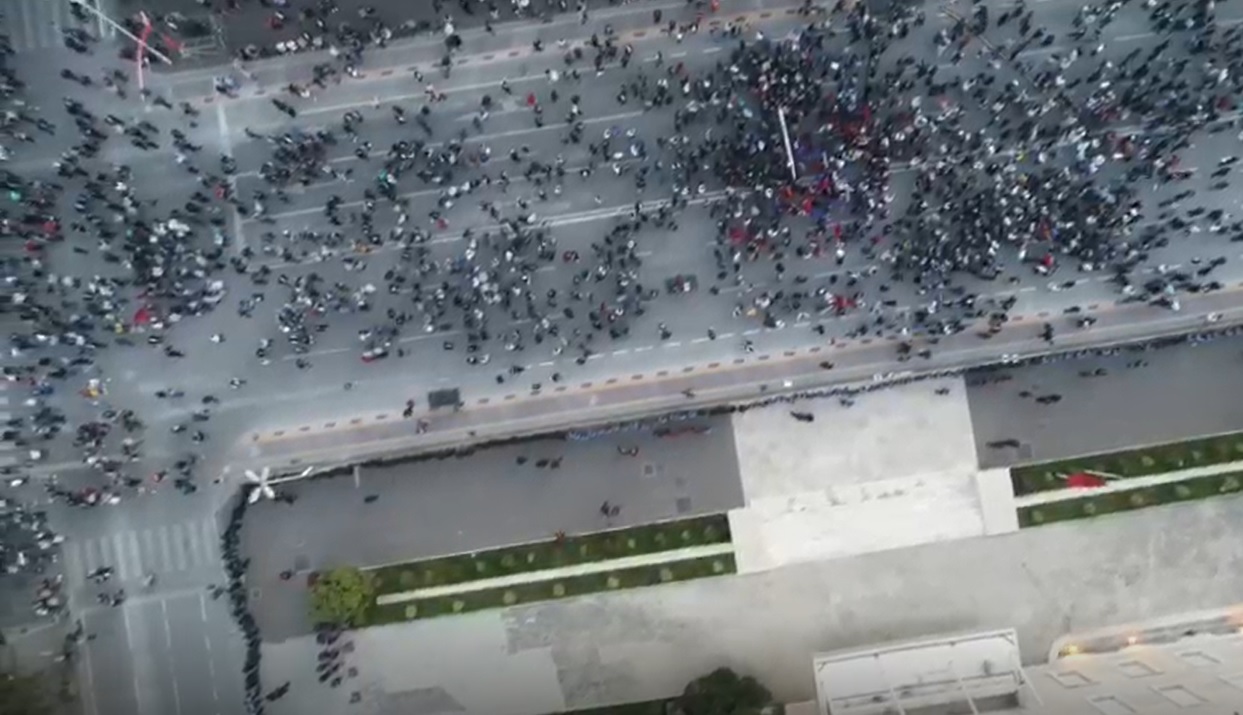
{"points": [[1123, 485], [163, 550], [626, 562], [37, 24]]}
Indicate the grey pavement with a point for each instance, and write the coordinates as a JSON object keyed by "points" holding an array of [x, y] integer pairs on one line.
{"points": [[482, 500], [649, 643], [1177, 394]]}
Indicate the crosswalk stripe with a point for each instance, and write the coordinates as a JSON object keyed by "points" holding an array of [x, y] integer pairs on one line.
{"points": [[211, 541], [54, 25], [166, 556], [106, 31], [26, 40], [90, 560], [148, 549], [70, 552], [120, 548], [179, 546]]}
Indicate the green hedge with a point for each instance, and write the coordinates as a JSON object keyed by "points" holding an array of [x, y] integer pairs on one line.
{"points": [[1141, 462], [551, 554], [635, 577], [1131, 499]]}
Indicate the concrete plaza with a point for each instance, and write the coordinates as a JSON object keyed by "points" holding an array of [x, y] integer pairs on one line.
{"points": [[800, 600]]}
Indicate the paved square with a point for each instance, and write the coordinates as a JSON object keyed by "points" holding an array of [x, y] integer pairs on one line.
{"points": [[895, 469]]}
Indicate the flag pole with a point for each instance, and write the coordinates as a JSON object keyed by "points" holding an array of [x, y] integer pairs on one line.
{"points": [[95, 11]]}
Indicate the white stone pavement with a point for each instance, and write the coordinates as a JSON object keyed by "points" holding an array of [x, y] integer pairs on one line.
{"points": [[1122, 485], [594, 567], [896, 470]]}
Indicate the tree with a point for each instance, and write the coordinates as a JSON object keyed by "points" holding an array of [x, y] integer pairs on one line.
{"points": [[23, 695], [342, 596], [724, 692]]}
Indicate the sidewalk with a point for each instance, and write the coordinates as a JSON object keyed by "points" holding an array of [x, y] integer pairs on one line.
{"points": [[627, 562], [1124, 485]]}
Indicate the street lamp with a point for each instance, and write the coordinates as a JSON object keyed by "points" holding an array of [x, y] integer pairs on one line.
{"points": [[262, 483], [785, 135], [141, 42]]}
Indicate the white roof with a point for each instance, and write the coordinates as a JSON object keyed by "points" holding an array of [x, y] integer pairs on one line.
{"points": [[919, 673]]}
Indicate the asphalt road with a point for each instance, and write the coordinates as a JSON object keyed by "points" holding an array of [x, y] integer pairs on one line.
{"points": [[172, 654], [1175, 394], [296, 397]]}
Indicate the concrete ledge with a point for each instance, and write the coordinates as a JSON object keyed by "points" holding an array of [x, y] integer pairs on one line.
{"points": [[997, 505]]}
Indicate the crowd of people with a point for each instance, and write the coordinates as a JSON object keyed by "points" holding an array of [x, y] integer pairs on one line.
{"points": [[925, 166]]}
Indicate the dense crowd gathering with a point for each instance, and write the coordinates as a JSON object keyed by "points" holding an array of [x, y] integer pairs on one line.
{"points": [[793, 147]]}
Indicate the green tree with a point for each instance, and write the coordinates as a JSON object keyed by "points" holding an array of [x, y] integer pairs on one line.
{"points": [[724, 692], [23, 695], [343, 596]]}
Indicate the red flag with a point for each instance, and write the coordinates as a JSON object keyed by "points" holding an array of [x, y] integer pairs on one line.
{"points": [[1083, 480]]}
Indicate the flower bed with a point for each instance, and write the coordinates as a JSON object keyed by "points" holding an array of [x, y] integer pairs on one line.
{"points": [[1140, 462], [553, 553], [1092, 505], [635, 577]]}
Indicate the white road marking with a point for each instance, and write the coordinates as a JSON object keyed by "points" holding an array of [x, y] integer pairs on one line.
{"points": [[168, 640], [129, 638]]}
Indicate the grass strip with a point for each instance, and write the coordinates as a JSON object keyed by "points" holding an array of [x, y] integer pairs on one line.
{"points": [[634, 577], [553, 553], [1140, 462], [1131, 499]]}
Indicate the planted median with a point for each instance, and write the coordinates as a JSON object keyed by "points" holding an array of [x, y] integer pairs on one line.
{"points": [[560, 567], [551, 589], [1125, 464], [552, 553], [1094, 505]]}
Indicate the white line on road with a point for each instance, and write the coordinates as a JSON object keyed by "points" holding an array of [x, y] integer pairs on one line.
{"points": [[140, 706], [89, 705], [476, 139], [168, 640], [226, 146], [211, 662]]}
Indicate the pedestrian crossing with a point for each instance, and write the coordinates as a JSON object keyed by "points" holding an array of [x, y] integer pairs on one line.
{"points": [[37, 24], [8, 450], [166, 549]]}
